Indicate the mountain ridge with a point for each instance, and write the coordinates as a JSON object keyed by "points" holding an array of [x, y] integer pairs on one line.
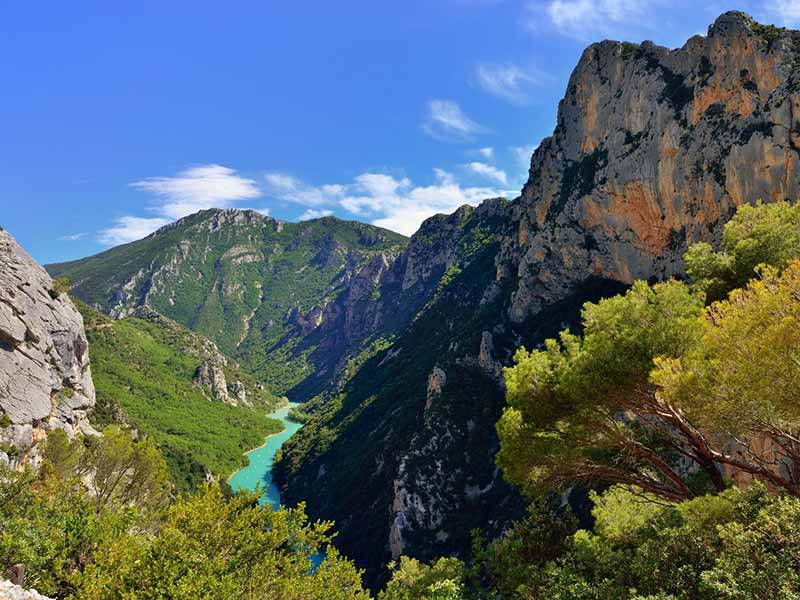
{"points": [[254, 285]]}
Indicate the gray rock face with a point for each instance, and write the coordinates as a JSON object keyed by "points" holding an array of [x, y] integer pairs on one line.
{"points": [[45, 378], [211, 375], [9, 591], [238, 391]]}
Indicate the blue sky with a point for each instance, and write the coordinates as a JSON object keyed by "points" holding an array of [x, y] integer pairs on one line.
{"points": [[117, 117]]}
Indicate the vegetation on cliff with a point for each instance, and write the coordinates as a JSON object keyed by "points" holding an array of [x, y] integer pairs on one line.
{"points": [[664, 394], [95, 524], [143, 374], [690, 411], [247, 282]]}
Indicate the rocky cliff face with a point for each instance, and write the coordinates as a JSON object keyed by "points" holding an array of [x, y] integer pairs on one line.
{"points": [[210, 374], [653, 150], [45, 378]]}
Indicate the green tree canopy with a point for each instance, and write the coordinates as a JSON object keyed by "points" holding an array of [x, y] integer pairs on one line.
{"points": [[204, 546], [738, 545], [411, 579], [661, 393], [233, 549], [583, 409], [764, 233], [740, 382]]}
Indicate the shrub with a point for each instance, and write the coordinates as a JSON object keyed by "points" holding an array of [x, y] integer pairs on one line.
{"points": [[60, 286]]}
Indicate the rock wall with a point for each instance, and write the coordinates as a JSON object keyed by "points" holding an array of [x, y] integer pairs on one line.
{"points": [[9, 591], [653, 150], [45, 378]]}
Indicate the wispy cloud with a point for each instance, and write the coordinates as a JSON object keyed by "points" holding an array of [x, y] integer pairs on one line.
{"points": [[206, 186], [489, 172], [291, 189], [508, 82], [127, 229], [193, 189], [311, 213], [487, 153], [74, 237], [589, 20], [445, 120], [786, 12], [396, 202]]}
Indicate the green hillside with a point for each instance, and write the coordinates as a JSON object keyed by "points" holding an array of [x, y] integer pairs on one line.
{"points": [[245, 281], [143, 371]]}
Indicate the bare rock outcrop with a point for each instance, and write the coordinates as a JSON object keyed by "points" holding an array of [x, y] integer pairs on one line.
{"points": [[211, 375], [45, 378], [653, 150]]}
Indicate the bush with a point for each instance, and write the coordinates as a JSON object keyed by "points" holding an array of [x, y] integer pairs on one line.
{"points": [[739, 544], [60, 286], [415, 580], [94, 524]]}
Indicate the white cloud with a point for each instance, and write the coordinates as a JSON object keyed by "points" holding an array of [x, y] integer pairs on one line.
{"points": [[127, 229], [505, 81], [487, 153], [588, 20], [522, 155], [72, 237], [489, 172], [446, 121], [291, 189], [787, 12], [206, 186], [396, 203], [311, 213], [193, 189]]}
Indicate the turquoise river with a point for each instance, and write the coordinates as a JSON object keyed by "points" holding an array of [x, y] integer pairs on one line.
{"points": [[258, 474]]}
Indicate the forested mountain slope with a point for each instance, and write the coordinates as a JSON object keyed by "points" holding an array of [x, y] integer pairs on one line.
{"points": [[173, 385], [254, 285]]}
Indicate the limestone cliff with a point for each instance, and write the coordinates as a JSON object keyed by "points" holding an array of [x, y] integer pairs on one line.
{"points": [[45, 378], [653, 150]]}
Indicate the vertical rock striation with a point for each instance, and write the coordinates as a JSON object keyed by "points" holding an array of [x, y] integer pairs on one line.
{"points": [[45, 378], [653, 150]]}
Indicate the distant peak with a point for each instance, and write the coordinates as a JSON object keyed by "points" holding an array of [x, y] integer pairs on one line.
{"points": [[218, 217], [731, 23]]}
